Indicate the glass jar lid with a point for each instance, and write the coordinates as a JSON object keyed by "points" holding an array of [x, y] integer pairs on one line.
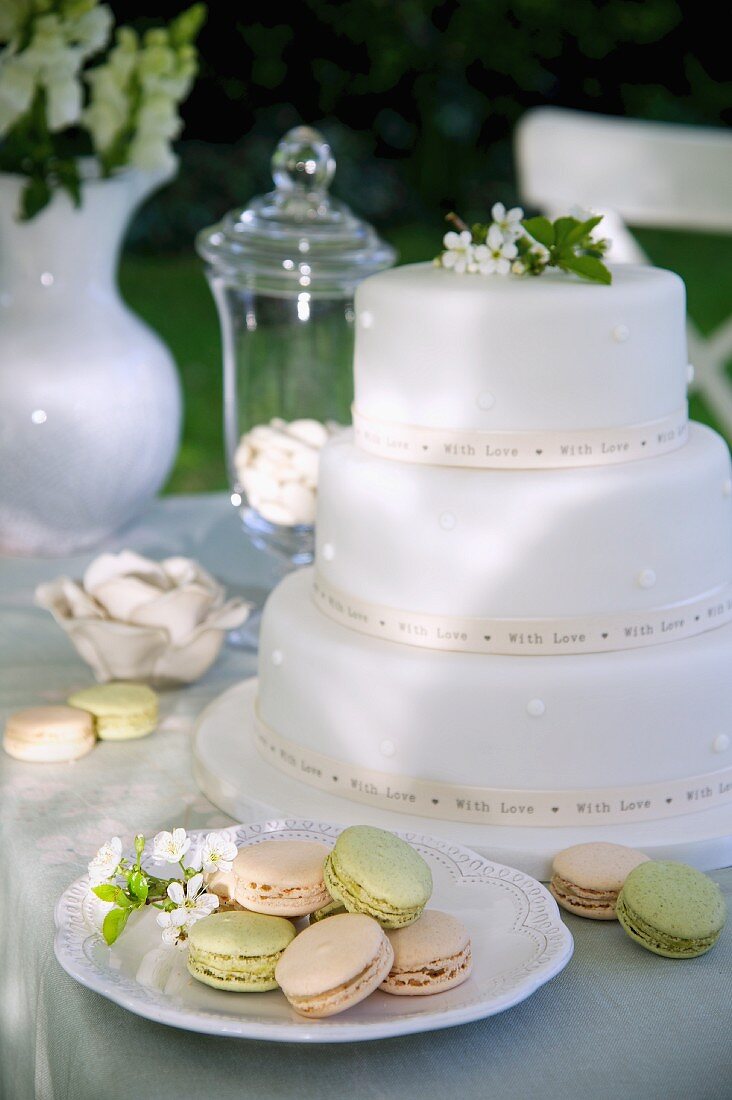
{"points": [[298, 237]]}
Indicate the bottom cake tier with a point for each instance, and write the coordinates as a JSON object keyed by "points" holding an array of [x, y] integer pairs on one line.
{"points": [[602, 738]]}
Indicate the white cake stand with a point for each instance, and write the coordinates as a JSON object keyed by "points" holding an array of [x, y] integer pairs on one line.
{"points": [[232, 774]]}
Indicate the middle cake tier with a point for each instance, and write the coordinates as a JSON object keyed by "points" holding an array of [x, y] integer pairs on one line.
{"points": [[515, 544]]}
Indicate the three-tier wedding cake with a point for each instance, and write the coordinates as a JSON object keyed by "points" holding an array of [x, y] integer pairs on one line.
{"points": [[521, 607]]}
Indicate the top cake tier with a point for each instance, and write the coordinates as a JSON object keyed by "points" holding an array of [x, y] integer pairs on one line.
{"points": [[470, 353]]}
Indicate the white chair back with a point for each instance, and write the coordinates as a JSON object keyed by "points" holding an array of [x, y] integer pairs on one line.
{"points": [[638, 173]]}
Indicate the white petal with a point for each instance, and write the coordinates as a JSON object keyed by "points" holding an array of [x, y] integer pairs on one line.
{"points": [[163, 920], [498, 212], [503, 267], [495, 237], [126, 563], [176, 893], [451, 239], [193, 886]]}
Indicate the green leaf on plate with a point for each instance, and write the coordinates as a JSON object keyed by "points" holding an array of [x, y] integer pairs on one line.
{"points": [[138, 885], [114, 924], [106, 892]]}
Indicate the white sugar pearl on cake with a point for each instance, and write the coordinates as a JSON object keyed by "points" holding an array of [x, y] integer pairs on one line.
{"points": [[447, 521], [485, 400], [690, 372], [647, 578], [387, 748], [277, 657], [721, 743], [621, 333], [727, 487], [329, 551], [366, 319], [536, 707]]}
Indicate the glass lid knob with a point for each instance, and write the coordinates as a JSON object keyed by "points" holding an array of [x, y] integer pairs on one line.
{"points": [[303, 161]]}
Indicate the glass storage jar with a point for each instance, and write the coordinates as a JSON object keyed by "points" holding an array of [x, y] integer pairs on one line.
{"points": [[283, 272]]}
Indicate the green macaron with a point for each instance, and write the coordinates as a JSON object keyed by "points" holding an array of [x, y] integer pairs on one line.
{"points": [[671, 909], [238, 950], [121, 711], [375, 872], [329, 910]]}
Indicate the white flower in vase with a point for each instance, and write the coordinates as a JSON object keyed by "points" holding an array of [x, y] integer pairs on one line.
{"points": [[495, 256], [508, 221], [459, 254], [170, 847], [218, 853], [17, 84], [105, 863]]}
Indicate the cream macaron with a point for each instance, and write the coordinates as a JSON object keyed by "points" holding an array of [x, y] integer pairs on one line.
{"points": [[430, 956], [334, 964], [587, 878], [48, 735], [282, 878]]}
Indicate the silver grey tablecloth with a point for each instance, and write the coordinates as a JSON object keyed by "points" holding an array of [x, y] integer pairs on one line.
{"points": [[618, 1022]]}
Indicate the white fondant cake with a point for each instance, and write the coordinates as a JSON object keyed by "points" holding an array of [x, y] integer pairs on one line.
{"points": [[436, 350], [610, 719], [401, 672], [535, 543]]}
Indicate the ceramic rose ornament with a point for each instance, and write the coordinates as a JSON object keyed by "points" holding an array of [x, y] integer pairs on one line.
{"points": [[132, 618]]}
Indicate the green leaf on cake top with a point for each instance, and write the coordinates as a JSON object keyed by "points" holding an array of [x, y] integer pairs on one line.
{"points": [[514, 245]]}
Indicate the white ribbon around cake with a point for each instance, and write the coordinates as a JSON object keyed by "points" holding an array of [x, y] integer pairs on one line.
{"points": [[538, 637], [492, 805], [520, 450]]}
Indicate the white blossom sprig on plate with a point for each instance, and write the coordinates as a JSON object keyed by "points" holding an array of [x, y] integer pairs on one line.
{"points": [[125, 886], [191, 903], [511, 244], [218, 853]]}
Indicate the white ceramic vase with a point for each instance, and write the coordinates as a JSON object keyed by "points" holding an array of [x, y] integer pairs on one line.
{"points": [[90, 403]]}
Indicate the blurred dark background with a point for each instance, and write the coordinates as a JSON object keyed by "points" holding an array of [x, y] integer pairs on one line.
{"points": [[419, 101]]}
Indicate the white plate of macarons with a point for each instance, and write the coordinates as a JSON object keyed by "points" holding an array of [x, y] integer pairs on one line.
{"points": [[330, 935]]}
